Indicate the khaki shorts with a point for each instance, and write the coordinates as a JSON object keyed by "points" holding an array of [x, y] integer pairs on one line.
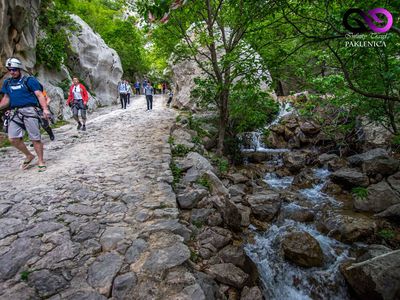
{"points": [[29, 118]]}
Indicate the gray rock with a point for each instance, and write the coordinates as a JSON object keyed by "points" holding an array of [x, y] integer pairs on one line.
{"points": [[380, 197], [201, 215], [377, 279], [192, 292], [302, 249], [392, 212], [196, 161], [349, 228], [42, 228], [231, 215], [245, 213], [192, 175], [382, 165], [166, 258], [238, 178], [124, 286], [233, 254], [182, 137], [394, 182], [189, 197], [310, 128], [265, 206], [10, 226], [62, 252], [208, 285], [135, 250], [81, 209], [102, 272], [228, 274], [20, 291], [294, 161], [86, 295], [237, 190], [111, 237], [349, 178], [216, 236], [170, 225], [87, 231], [21, 250], [253, 293], [358, 159], [46, 283], [217, 187]]}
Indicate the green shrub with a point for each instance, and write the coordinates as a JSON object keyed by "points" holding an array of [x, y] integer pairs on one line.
{"points": [[180, 150], [360, 192], [204, 181], [176, 173], [387, 234]]}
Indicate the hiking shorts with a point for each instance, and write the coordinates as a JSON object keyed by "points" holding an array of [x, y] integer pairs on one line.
{"points": [[79, 106], [24, 117]]}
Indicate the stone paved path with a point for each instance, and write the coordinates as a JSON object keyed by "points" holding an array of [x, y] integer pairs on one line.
{"points": [[102, 221]]}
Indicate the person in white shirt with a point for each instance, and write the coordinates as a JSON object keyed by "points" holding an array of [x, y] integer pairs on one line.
{"points": [[123, 93]]}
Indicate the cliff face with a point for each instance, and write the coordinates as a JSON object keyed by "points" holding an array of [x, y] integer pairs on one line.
{"points": [[93, 61], [18, 31]]}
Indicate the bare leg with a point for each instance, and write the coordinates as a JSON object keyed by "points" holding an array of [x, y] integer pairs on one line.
{"points": [[20, 145], [38, 146]]}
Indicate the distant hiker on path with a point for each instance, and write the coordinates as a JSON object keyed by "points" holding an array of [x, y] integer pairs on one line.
{"points": [[77, 100], [23, 96], [170, 95], [137, 87], [128, 95], [123, 93], [149, 92], [144, 84]]}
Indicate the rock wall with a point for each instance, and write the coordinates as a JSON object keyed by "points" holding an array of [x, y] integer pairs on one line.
{"points": [[18, 31], [95, 63]]}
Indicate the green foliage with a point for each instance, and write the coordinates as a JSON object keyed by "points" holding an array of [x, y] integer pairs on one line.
{"points": [[193, 255], [387, 234], [198, 223], [176, 173], [180, 150], [64, 85], [53, 46], [221, 163], [24, 275], [171, 140], [360, 192], [250, 108], [204, 181]]}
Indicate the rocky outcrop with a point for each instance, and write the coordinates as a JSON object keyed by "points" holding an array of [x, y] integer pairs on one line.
{"points": [[376, 274], [349, 178], [380, 197], [95, 63], [19, 29]]}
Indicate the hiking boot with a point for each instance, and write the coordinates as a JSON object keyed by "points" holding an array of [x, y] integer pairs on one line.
{"points": [[79, 126], [84, 128], [51, 135]]}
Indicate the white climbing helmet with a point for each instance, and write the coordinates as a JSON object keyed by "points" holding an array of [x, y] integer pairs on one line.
{"points": [[14, 63]]}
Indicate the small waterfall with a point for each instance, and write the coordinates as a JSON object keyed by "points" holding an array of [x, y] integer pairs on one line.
{"points": [[315, 194], [284, 280], [251, 141], [276, 182]]}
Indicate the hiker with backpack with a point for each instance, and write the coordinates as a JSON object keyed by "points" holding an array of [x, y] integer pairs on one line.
{"points": [[77, 99], [129, 92], [24, 98], [123, 93]]}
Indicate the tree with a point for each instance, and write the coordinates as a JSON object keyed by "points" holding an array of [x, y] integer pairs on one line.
{"points": [[212, 33]]}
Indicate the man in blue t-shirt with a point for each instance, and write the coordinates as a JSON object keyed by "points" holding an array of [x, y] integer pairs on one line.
{"points": [[23, 96]]}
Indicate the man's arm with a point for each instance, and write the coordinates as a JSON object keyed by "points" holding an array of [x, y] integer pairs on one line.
{"points": [[43, 103], [5, 102]]}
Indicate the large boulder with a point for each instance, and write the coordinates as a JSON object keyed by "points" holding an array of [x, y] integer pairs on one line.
{"points": [[392, 212], [310, 128], [95, 63], [302, 249], [380, 197], [294, 161], [375, 275], [348, 228], [265, 206], [384, 166], [358, 159], [349, 178], [228, 274]]}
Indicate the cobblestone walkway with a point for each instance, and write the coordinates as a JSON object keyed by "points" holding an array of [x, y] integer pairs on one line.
{"points": [[102, 220]]}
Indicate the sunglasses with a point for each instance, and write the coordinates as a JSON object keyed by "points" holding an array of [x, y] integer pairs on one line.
{"points": [[13, 69]]}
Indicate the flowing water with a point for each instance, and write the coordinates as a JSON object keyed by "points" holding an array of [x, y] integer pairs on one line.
{"points": [[282, 279]]}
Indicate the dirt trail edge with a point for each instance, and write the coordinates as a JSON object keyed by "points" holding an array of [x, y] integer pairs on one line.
{"points": [[102, 221]]}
